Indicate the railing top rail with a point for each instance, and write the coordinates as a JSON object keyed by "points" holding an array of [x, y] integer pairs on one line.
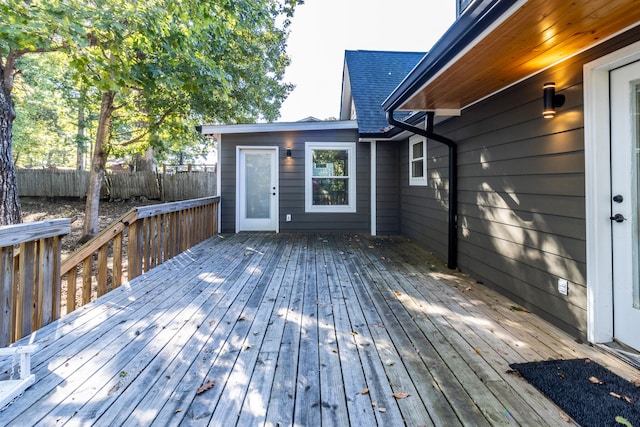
{"points": [[125, 220], [152, 210], [100, 239], [20, 233]]}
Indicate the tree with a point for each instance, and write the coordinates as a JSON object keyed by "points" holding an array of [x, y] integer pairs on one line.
{"points": [[222, 61], [29, 26], [45, 131]]}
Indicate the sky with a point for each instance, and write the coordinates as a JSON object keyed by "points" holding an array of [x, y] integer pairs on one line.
{"points": [[321, 30]]}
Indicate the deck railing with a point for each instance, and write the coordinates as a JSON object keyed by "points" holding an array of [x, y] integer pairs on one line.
{"points": [[29, 277], [141, 239], [149, 235]]}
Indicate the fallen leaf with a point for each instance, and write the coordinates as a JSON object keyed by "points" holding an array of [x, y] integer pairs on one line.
{"points": [[206, 386], [565, 417], [400, 395], [398, 293], [123, 374], [516, 308], [354, 333], [513, 372], [595, 380], [382, 409], [617, 396], [636, 382], [477, 351], [374, 403], [365, 391], [623, 421], [178, 411]]}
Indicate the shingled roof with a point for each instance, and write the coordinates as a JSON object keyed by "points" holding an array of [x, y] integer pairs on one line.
{"points": [[368, 79]]}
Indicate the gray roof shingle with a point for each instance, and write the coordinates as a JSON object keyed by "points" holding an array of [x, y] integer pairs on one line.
{"points": [[373, 75]]}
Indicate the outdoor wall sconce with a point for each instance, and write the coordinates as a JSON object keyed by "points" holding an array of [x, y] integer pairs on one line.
{"points": [[288, 152], [551, 100]]}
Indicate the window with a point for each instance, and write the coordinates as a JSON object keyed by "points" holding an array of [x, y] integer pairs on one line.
{"points": [[330, 171], [417, 160]]}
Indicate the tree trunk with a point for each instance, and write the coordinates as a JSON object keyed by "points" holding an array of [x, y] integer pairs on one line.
{"points": [[9, 203], [81, 148], [98, 163], [146, 163]]}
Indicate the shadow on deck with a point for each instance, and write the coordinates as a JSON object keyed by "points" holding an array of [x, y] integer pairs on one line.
{"points": [[294, 329]]}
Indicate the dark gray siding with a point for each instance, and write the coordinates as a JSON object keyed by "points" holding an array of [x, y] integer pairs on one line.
{"points": [[521, 223], [292, 181], [387, 196]]}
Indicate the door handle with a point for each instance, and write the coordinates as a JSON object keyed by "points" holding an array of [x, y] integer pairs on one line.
{"points": [[618, 218]]}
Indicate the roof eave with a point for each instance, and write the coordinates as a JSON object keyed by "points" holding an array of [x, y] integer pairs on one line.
{"points": [[477, 18]]}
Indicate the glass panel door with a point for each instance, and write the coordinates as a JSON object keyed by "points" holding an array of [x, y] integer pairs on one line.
{"points": [[257, 198], [625, 204]]}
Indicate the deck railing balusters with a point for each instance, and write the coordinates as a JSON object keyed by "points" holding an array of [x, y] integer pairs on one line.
{"points": [[30, 279], [32, 274]]}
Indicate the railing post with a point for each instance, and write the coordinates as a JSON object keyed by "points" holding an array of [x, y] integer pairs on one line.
{"points": [[44, 308], [135, 249], [24, 303], [6, 295]]}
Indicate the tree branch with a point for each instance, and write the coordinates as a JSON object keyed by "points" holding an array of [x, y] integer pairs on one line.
{"points": [[148, 131]]}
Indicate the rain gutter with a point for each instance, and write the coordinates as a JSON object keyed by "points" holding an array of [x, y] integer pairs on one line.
{"points": [[452, 257]]}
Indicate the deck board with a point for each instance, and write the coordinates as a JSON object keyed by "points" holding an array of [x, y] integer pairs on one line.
{"points": [[294, 329]]}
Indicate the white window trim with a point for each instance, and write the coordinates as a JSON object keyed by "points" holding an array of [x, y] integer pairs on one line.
{"points": [[598, 190], [421, 180], [308, 172]]}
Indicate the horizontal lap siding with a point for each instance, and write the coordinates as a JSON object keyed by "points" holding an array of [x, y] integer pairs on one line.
{"points": [[521, 196], [521, 207], [387, 197], [423, 210], [291, 181]]}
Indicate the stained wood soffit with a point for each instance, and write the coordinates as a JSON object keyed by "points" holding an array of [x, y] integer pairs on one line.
{"points": [[540, 33]]}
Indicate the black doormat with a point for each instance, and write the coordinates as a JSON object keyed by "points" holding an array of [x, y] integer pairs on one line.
{"points": [[590, 394]]}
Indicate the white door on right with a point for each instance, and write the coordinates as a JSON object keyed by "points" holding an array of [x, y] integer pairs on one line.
{"points": [[625, 204]]}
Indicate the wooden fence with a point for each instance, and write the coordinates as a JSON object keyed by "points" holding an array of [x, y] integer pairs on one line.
{"points": [[141, 239], [29, 277], [167, 187]]}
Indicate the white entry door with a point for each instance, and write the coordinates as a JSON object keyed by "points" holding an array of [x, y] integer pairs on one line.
{"points": [[257, 178], [625, 203]]}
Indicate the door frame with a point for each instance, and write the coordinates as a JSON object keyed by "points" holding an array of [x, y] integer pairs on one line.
{"points": [[597, 145], [239, 171]]}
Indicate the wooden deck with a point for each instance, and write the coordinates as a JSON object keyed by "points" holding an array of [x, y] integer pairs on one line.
{"points": [[304, 330]]}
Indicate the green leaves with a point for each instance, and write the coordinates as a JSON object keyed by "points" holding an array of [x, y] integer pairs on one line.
{"points": [[168, 62]]}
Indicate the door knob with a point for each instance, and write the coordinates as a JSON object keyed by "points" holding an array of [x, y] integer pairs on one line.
{"points": [[618, 198], [618, 218]]}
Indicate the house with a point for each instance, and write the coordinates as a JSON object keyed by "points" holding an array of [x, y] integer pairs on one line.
{"points": [[547, 209], [543, 209], [312, 175]]}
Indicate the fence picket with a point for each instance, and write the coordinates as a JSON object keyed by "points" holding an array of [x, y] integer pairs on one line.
{"points": [[167, 187]]}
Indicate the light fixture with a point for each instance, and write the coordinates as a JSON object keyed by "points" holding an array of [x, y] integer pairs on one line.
{"points": [[288, 152], [551, 100]]}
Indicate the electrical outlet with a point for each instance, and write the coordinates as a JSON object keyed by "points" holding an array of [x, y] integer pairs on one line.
{"points": [[563, 286], [288, 219]]}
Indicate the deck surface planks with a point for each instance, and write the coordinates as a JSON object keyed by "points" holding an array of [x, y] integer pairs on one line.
{"points": [[294, 329]]}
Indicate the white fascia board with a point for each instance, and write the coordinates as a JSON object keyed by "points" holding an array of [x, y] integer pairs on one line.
{"points": [[279, 127]]}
